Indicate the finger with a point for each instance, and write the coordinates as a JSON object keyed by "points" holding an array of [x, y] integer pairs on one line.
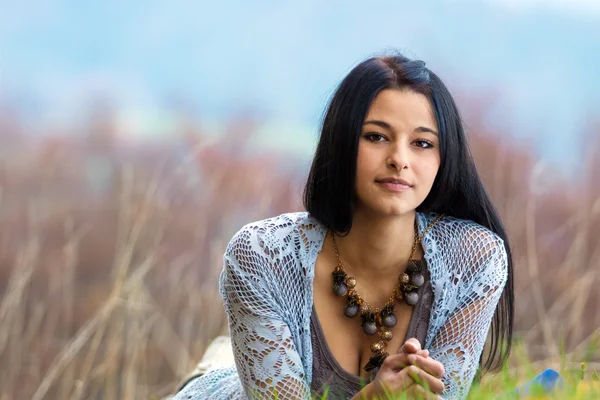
{"points": [[396, 361], [429, 365], [429, 382], [420, 393], [422, 353], [412, 345], [400, 383], [424, 379]]}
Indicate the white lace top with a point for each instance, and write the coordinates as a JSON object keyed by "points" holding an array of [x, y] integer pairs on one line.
{"points": [[267, 284]]}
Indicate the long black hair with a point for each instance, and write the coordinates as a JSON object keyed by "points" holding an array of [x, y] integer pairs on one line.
{"points": [[457, 190]]}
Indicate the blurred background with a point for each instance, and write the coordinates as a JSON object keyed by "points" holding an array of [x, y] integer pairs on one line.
{"points": [[137, 137]]}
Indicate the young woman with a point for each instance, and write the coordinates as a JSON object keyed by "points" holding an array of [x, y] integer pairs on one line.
{"points": [[391, 280]]}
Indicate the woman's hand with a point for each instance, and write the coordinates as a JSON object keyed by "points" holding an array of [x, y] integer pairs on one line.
{"points": [[409, 371], [420, 358], [413, 346]]}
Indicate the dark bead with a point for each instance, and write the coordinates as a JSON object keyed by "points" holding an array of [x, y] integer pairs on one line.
{"points": [[417, 279], [340, 290], [389, 321], [411, 267], [338, 276], [370, 328], [411, 298], [351, 311]]}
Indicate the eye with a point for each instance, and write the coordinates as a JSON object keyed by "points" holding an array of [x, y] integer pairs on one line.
{"points": [[424, 144], [374, 137]]}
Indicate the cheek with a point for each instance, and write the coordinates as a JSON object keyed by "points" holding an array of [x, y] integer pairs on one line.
{"points": [[430, 170], [364, 164]]}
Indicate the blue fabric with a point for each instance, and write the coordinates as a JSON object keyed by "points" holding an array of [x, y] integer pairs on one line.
{"points": [[547, 381], [267, 283]]}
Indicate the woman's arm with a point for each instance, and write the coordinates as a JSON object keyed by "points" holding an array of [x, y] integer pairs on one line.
{"points": [[268, 364], [459, 342]]}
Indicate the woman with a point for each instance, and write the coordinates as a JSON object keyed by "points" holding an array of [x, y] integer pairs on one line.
{"points": [[390, 281]]}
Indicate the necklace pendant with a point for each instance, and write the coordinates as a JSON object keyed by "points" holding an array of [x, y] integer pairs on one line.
{"points": [[389, 321], [404, 278], [378, 346], [364, 309], [340, 289], [386, 335], [351, 311], [375, 362], [351, 282], [417, 279], [411, 298], [370, 328], [411, 267], [399, 295], [368, 323]]}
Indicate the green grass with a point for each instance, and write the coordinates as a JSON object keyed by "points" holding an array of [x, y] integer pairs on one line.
{"points": [[502, 384], [582, 381]]}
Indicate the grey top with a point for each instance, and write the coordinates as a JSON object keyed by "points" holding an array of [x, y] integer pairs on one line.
{"points": [[327, 372]]}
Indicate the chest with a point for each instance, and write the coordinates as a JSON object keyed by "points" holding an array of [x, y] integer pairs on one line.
{"points": [[345, 338]]}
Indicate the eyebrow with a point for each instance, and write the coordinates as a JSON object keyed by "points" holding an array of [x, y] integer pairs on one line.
{"points": [[385, 125]]}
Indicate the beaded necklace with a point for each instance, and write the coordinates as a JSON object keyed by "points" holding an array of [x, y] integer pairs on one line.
{"points": [[375, 319]]}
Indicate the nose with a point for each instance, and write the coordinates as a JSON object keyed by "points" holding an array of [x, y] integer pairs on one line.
{"points": [[398, 159]]}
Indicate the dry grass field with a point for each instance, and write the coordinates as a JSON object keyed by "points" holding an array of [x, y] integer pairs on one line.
{"points": [[109, 255]]}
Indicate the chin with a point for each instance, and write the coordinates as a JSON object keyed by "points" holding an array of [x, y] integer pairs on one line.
{"points": [[391, 210]]}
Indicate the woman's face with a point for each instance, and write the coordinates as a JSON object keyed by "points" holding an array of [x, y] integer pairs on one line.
{"points": [[398, 153]]}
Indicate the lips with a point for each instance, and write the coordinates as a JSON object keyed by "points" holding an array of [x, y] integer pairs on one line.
{"points": [[395, 181], [394, 184]]}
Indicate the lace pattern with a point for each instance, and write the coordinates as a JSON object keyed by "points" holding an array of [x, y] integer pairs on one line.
{"points": [[266, 285]]}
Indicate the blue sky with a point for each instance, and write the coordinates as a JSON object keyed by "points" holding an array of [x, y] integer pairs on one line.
{"points": [[282, 59]]}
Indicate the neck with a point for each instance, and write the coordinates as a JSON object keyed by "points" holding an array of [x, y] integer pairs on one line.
{"points": [[376, 247]]}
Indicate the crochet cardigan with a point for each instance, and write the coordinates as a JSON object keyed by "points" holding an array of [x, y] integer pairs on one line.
{"points": [[267, 289]]}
